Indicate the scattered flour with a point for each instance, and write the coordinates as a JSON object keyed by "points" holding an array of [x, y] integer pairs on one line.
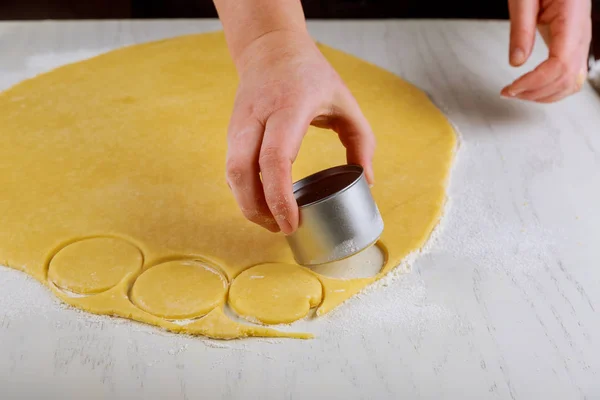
{"points": [[342, 249], [13, 304], [178, 350], [183, 322], [214, 344], [398, 298]]}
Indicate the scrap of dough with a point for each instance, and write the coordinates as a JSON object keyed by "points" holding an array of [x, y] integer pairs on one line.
{"points": [[131, 144], [94, 265], [179, 289], [275, 293]]}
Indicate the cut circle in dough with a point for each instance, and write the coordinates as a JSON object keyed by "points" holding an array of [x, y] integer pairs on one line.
{"points": [[179, 289], [94, 265], [275, 293]]}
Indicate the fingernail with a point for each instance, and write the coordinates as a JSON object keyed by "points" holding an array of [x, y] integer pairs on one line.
{"points": [[284, 224], [370, 175], [505, 93], [517, 57], [515, 92], [370, 181], [511, 92]]}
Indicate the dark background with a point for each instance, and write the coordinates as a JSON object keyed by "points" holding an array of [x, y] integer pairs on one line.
{"points": [[314, 9], [100, 9]]}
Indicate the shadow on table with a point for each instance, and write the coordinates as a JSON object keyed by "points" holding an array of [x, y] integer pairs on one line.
{"points": [[481, 105]]}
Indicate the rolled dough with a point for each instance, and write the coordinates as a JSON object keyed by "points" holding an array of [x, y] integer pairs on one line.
{"points": [[112, 174], [275, 293], [179, 289]]}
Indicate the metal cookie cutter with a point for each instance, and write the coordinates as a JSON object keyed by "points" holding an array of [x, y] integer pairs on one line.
{"points": [[338, 216]]}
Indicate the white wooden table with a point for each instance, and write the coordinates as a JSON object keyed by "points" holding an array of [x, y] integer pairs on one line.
{"points": [[505, 304]]}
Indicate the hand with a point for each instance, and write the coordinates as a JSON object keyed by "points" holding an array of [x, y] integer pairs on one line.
{"points": [[286, 85], [566, 27]]}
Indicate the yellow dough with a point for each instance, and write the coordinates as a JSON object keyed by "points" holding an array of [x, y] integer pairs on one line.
{"points": [[94, 265], [275, 293], [112, 176], [179, 289]]}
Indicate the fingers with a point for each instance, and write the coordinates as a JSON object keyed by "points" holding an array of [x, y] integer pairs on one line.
{"points": [[561, 75], [552, 80], [284, 132], [355, 133], [569, 90], [566, 28], [569, 30], [268, 151], [546, 73], [523, 19], [242, 172]]}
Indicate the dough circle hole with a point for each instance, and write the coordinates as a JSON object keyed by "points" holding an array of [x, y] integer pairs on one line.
{"points": [[180, 289], [94, 265], [365, 264], [275, 293]]}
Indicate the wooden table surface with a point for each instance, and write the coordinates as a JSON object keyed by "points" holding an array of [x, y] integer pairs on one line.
{"points": [[504, 304]]}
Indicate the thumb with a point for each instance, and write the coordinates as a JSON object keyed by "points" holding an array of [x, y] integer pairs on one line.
{"points": [[523, 20]]}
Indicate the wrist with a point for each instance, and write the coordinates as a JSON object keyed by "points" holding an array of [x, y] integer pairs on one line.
{"points": [[247, 22], [272, 45]]}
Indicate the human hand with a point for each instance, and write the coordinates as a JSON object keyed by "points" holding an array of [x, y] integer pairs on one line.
{"points": [[286, 85], [566, 28]]}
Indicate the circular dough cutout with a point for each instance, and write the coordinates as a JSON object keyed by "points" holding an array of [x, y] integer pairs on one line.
{"points": [[180, 289], [275, 293], [94, 265]]}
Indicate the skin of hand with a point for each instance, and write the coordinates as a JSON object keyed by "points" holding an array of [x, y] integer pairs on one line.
{"points": [[566, 28], [286, 85]]}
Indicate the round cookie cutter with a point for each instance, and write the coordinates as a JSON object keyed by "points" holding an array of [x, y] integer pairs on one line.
{"points": [[338, 216]]}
